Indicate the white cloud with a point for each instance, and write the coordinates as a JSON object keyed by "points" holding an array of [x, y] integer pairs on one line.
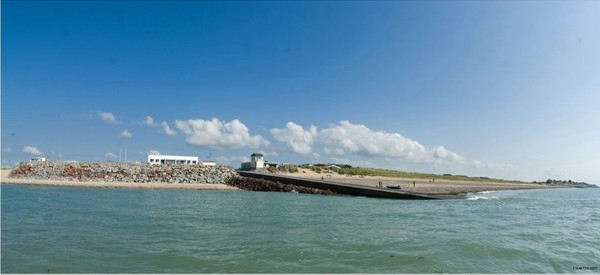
{"points": [[126, 134], [7, 150], [345, 138], [269, 154], [353, 162], [108, 117], [490, 165], [334, 151], [110, 155], [153, 152], [32, 151], [149, 121], [351, 138], [295, 137], [441, 154], [215, 134], [167, 129]]}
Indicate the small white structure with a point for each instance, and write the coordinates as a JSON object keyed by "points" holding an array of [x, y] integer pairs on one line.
{"points": [[209, 163], [38, 159], [257, 161], [164, 159]]}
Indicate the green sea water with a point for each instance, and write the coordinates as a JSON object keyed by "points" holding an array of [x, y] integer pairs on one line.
{"points": [[95, 230]]}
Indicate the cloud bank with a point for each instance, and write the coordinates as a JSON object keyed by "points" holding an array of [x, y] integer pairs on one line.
{"points": [[346, 138], [32, 151], [358, 139], [341, 141], [216, 134], [295, 137]]}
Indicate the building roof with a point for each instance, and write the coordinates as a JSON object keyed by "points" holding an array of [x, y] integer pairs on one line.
{"points": [[257, 155]]}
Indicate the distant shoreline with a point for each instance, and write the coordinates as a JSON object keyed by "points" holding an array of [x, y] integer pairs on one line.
{"points": [[440, 187], [101, 184]]}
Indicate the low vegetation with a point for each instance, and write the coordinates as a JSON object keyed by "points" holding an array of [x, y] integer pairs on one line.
{"points": [[345, 169], [286, 168]]}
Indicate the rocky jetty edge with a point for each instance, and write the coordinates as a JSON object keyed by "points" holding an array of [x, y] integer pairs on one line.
{"points": [[253, 184], [122, 172]]}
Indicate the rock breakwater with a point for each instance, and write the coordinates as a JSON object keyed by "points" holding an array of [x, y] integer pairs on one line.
{"points": [[254, 184], [122, 172]]}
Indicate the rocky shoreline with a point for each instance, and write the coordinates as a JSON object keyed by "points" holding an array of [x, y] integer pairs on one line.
{"points": [[122, 172], [569, 183], [112, 172], [263, 185]]}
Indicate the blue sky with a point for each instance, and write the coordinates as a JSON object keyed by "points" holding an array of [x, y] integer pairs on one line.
{"points": [[502, 89]]}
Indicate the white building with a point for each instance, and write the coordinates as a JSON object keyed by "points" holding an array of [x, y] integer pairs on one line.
{"points": [[257, 161], [38, 159], [164, 159]]}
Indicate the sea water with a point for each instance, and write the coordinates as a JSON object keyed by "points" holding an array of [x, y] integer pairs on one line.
{"points": [[96, 230]]}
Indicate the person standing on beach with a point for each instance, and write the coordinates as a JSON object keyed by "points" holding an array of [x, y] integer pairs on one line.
{"points": [[413, 184]]}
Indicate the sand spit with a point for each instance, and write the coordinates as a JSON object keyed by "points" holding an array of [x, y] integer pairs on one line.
{"points": [[437, 187]]}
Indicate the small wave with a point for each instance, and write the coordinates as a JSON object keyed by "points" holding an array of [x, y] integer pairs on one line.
{"points": [[475, 198], [486, 192]]}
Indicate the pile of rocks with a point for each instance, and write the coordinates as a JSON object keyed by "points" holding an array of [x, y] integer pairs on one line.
{"points": [[253, 184], [122, 172]]}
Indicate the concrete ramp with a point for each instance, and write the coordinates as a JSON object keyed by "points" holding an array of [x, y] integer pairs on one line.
{"points": [[347, 189]]}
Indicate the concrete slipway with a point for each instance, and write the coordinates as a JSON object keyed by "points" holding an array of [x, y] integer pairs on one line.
{"points": [[348, 189]]}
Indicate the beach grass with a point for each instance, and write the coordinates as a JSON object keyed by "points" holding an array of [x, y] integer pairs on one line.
{"points": [[345, 169]]}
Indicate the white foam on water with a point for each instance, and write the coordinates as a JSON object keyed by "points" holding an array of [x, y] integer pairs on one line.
{"points": [[475, 198]]}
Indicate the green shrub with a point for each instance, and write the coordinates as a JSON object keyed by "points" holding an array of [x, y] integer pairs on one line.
{"points": [[288, 168]]}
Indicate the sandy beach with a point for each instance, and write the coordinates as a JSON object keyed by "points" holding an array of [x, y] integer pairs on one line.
{"points": [[101, 184], [420, 185]]}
